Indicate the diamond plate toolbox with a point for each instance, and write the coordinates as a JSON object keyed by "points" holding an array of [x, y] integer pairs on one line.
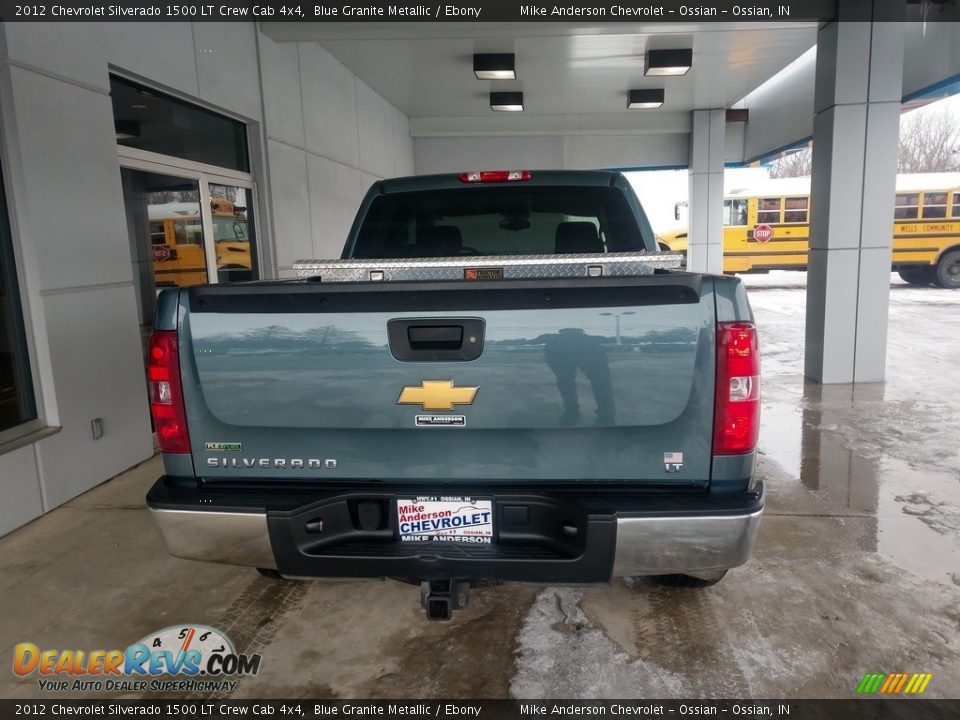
{"points": [[489, 267]]}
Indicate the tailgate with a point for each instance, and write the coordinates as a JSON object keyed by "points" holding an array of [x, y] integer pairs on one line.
{"points": [[600, 380]]}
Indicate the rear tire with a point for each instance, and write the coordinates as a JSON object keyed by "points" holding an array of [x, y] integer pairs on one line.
{"points": [[921, 275], [270, 573], [687, 581], [948, 270]]}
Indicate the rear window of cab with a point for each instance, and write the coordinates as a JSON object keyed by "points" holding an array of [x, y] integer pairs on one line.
{"points": [[502, 220]]}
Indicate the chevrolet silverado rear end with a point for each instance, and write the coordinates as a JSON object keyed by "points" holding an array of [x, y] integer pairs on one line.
{"points": [[498, 381]]}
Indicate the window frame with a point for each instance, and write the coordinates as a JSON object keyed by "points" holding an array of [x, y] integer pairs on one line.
{"points": [[779, 210], [37, 427], [805, 210], [728, 204], [924, 205], [134, 83], [915, 206], [205, 175]]}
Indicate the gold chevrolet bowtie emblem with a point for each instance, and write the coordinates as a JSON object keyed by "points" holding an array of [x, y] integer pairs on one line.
{"points": [[437, 395]]}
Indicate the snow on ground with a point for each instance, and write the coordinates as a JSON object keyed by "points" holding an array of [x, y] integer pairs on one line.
{"points": [[921, 318]]}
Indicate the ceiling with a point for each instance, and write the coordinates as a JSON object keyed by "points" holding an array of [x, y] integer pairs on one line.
{"points": [[564, 69]]}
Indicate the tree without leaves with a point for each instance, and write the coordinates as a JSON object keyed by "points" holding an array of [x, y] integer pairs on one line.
{"points": [[929, 142], [796, 164]]}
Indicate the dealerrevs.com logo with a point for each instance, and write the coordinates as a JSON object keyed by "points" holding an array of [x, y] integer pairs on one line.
{"points": [[204, 655]]}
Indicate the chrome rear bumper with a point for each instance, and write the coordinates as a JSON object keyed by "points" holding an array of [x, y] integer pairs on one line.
{"points": [[702, 546], [234, 538]]}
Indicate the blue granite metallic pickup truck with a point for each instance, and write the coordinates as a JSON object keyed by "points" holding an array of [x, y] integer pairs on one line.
{"points": [[499, 380]]}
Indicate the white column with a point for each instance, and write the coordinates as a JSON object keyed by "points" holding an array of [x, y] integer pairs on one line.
{"points": [[859, 81], [705, 211]]}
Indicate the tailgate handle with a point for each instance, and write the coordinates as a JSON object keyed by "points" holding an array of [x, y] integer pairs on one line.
{"points": [[436, 339]]}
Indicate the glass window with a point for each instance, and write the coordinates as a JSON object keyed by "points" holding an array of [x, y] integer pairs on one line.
{"points": [[147, 119], [956, 205], [232, 211], [768, 210], [796, 210], [498, 221], [906, 206], [934, 205], [17, 404], [734, 212], [166, 229]]}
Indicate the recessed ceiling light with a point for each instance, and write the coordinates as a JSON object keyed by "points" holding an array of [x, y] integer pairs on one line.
{"points": [[668, 62], [645, 99], [506, 101], [495, 66]]}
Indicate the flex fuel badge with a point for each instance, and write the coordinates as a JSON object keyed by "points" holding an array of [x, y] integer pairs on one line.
{"points": [[223, 447]]}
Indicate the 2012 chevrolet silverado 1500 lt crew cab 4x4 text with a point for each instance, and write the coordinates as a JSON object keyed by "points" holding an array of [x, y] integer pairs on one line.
{"points": [[499, 380]]}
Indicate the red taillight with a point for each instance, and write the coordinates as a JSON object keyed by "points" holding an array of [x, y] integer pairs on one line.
{"points": [[166, 395], [737, 407], [491, 176]]}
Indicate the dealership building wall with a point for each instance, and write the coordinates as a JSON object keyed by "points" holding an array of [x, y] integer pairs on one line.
{"points": [[318, 137]]}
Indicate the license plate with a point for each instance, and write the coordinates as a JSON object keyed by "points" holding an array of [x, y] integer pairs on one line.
{"points": [[445, 519]]}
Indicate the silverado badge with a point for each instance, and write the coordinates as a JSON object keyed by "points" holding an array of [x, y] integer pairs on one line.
{"points": [[437, 395]]}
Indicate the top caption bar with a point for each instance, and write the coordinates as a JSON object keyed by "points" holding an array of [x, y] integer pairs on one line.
{"points": [[589, 11]]}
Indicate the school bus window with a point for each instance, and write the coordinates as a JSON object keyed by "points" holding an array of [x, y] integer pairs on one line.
{"points": [[956, 205], [796, 210], [188, 234], [934, 205], [157, 234], [768, 210], [232, 229], [906, 206], [734, 212]]}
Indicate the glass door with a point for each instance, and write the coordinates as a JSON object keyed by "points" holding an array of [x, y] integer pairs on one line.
{"points": [[231, 217], [165, 225]]}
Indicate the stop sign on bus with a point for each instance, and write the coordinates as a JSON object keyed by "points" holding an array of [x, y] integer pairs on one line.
{"points": [[762, 233], [161, 253]]}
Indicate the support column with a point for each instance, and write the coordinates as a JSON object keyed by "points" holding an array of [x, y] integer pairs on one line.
{"points": [[859, 84], [705, 210]]}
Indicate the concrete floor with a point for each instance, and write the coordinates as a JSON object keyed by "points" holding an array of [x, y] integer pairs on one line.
{"points": [[857, 567]]}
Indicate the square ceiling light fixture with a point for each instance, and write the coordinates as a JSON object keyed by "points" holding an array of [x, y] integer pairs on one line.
{"points": [[668, 62], [645, 99], [506, 101], [495, 66]]}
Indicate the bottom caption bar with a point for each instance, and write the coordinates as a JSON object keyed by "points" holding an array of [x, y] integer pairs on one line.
{"points": [[928, 709]]}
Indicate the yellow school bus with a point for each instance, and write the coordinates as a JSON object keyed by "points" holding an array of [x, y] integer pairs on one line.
{"points": [[766, 227], [176, 236]]}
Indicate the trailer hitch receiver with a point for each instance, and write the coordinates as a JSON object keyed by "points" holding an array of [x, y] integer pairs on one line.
{"points": [[441, 597]]}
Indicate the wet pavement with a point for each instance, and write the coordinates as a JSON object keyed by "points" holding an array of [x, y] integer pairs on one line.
{"points": [[856, 569]]}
